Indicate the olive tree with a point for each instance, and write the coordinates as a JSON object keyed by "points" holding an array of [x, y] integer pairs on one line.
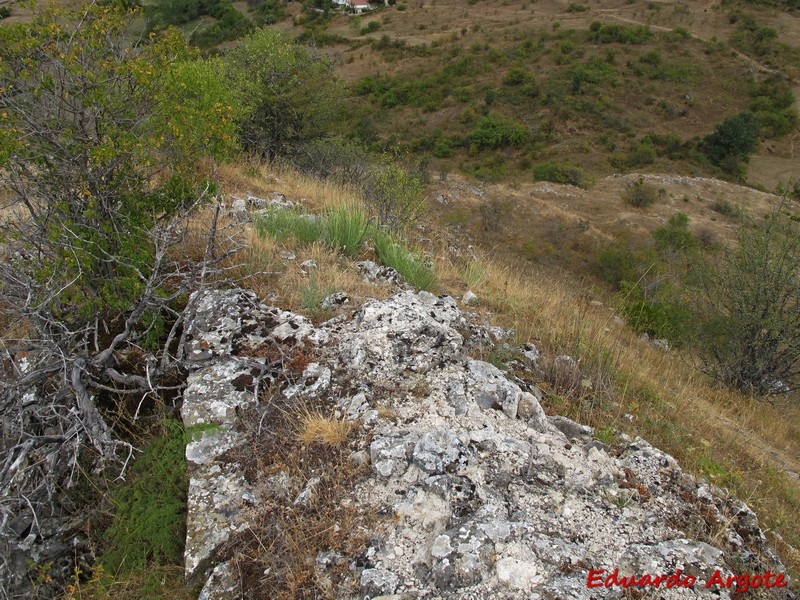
{"points": [[103, 139]]}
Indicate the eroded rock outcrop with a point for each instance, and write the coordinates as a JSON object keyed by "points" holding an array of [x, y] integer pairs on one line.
{"points": [[483, 495]]}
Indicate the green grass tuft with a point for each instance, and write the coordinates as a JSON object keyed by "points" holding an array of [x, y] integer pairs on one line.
{"points": [[346, 229], [392, 253], [282, 224]]}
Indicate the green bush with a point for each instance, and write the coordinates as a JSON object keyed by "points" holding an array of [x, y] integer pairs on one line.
{"points": [[640, 155], [660, 316], [561, 172], [101, 191], [150, 510], [595, 71], [675, 236], [496, 131], [269, 12], [5, 12], [370, 27], [614, 33], [392, 253], [732, 141], [518, 75], [230, 26], [443, 148], [618, 263], [772, 101], [726, 208], [289, 94], [640, 194], [746, 310], [395, 195]]}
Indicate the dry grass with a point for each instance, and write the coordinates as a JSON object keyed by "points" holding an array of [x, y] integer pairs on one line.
{"points": [[260, 179], [314, 427], [284, 281], [151, 582], [276, 556]]}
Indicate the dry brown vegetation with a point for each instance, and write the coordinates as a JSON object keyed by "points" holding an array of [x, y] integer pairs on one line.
{"points": [[299, 455]]}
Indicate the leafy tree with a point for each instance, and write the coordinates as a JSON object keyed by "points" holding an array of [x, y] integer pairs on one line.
{"points": [[100, 148], [748, 307], [732, 142], [289, 94]]}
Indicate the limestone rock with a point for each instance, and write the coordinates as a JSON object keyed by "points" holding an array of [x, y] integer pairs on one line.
{"points": [[334, 301], [469, 299], [379, 273], [472, 491]]}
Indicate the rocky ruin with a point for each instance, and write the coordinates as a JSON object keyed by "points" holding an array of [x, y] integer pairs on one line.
{"points": [[475, 492]]}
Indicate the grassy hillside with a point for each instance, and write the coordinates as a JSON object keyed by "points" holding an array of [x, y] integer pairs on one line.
{"points": [[603, 87]]}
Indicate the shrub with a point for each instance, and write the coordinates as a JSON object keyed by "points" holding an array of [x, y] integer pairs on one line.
{"points": [[594, 71], [496, 131], [5, 12], [726, 208], [96, 196], [561, 172], [518, 75], [395, 194], [344, 161], [732, 141], [640, 194], [230, 26], [747, 310], [772, 102], [443, 148], [642, 154], [605, 33], [289, 94], [370, 27], [269, 12], [150, 511], [392, 253], [655, 313], [618, 263], [676, 236]]}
